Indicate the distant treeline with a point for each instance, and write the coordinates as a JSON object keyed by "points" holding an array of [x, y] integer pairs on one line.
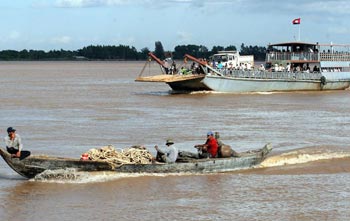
{"points": [[123, 52]]}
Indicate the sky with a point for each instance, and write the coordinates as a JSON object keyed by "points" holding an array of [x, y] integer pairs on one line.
{"points": [[74, 24]]}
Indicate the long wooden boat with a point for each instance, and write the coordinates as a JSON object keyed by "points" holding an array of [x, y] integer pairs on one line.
{"points": [[34, 165]]}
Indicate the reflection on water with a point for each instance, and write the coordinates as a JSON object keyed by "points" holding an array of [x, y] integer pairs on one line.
{"points": [[66, 108]]}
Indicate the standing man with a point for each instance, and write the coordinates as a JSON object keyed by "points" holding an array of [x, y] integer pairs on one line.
{"points": [[13, 142], [210, 148], [169, 155]]}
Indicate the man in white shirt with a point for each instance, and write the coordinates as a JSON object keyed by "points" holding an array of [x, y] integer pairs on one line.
{"points": [[13, 142], [168, 156]]}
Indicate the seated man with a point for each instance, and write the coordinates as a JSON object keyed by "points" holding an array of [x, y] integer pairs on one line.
{"points": [[14, 144], [167, 156], [210, 148]]}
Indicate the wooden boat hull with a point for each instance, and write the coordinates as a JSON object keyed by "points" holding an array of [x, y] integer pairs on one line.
{"points": [[34, 165]]}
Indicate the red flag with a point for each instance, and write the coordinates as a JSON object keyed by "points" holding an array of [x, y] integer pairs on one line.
{"points": [[296, 21]]}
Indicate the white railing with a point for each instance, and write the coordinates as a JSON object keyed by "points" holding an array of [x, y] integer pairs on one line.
{"points": [[271, 75], [305, 56], [280, 56], [336, 56]]}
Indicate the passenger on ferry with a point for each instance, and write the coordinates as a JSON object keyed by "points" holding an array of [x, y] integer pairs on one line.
{"points": [[213, 64], [199, 70], [262, 67], [241, 67], [173, 69], [166, 66], [281, 68], [193, 66], [183, 71], [307, 68], [220, 66], [230, 66], [249, 66], [288, 67]]}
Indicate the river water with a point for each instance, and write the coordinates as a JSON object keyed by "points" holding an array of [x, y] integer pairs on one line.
{"points": [[66, 108]]}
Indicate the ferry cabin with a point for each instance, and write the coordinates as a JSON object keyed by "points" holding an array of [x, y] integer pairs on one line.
{"points": [[231, 60], [308, 57]]}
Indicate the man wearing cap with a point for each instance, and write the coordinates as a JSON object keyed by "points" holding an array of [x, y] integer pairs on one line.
{"points": [[169, 155], [13, 142], [210, 148]]}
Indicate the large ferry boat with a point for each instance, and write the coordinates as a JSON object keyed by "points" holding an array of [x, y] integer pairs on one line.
{"points": [[290, 66]]}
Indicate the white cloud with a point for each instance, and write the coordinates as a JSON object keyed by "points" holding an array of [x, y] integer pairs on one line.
{"points": [[11, 37], [150, 3], [317, 6], [124, 40], [89, 3], [75, 3], [130, 40], [61, 40], [298, 6], [332, 7], [339, 30], [184, 37], [14, 35]]}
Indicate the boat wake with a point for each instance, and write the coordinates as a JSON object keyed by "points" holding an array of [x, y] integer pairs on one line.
{"points": [[156, 93], [235, 93], [61, 174], [71, 175], [302, 156]]}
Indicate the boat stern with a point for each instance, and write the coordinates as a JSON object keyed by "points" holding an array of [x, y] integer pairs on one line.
{"points": [[266, 150]]}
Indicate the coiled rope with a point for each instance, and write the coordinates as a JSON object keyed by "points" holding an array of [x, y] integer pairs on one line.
{"points": [[131, 155]]}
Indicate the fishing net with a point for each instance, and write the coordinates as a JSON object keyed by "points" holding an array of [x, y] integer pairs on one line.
{"points": [[130, 155]]}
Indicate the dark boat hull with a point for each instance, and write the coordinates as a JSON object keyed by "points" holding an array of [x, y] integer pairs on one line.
{"points": [[195, 84], [34, 165]]}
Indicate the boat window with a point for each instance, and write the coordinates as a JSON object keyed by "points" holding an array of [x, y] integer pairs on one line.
{"points": [[222, 58]]}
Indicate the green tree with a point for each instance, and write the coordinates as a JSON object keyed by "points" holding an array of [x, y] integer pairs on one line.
{"points": [[194, 50], [125, 52], [258, 51], [159, 50], [216, 49], [144, 53], [231, 48]]}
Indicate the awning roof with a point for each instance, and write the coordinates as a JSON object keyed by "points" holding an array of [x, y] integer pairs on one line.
{"points": [[292, 44]]}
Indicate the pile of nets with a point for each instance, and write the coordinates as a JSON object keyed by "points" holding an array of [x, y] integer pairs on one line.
{"points": [[131, 155]]}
